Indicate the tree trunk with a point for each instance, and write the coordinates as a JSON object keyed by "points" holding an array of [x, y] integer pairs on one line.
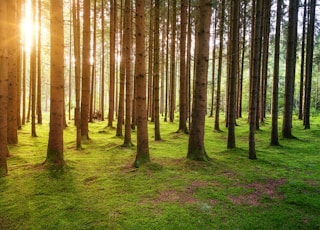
{"points": [[127, 46], [156, 73], [33, 72], [213, 62], [3, 87], [173, 62], [183, 77], [12, 72], [102, 83], [196, 150], [217, 115], [275, 84], [55, 144], [39, 101], [142, 155], [309, 63], [290, 69], [85, 100], [235, 11], [302, 64], [150, 62], [255, 80], [76, 37], [167, 66]]}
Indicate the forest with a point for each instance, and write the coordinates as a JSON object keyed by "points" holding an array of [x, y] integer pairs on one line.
{"points": [[150, 114]]}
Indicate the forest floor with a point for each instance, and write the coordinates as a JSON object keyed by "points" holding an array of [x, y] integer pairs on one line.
{"points": [[99, 188]]}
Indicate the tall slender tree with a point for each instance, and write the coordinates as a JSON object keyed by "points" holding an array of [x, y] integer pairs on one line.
{"points": [[221, 33], [290, 69], [33, 72], [235, 11], [55, 144], [156, 72], [39, 77], [254, 84], [309, 62], [3, 88], [142, 155], [275, 84], [196, 149], [113, 20], [183, 77], [12, 72], [85, 100]]}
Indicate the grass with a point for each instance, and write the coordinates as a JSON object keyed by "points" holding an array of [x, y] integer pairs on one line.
{"points": [[99, 188]]}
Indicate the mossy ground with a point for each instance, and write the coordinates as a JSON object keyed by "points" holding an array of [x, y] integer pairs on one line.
{"points": [[99, 189]]}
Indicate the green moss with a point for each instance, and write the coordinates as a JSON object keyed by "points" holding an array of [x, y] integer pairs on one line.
{"points": [[100, 189]]}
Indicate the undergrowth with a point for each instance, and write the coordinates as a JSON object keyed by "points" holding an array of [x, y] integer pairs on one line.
{"points": [[99, 189]]}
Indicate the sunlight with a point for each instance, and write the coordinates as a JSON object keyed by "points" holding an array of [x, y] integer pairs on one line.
{"points": [[27, 27]]}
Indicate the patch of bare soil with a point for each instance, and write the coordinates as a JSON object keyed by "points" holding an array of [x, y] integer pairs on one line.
{"points": [[184, 197], [268, 189]]}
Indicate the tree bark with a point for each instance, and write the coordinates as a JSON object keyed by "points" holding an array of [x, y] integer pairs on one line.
{"points": [[235, 10], [3, 87], [39, 101], [290, 69], [196, 149], [55, 144], [85, 100], [275, 83], [142, 155], [33, 74], [309, 63]]}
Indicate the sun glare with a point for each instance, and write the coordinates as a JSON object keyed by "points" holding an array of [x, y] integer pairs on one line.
{"points": [[27, 26]]}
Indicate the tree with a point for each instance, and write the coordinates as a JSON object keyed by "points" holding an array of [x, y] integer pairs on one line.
{"points": [[290, 69], [39, 110], [142, 155], [173, 62], [217, 115], [127, 47], [76, 37], [33, 71], [196, 150], [183, 77], [85, 100], [235, 11], [254, 84], [156, 72], [309, 63], [113, 19], [275, 83], [55, 144], [3, 88], [13, 45]]}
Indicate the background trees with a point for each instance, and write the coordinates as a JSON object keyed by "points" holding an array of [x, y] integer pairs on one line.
{"points": [[168, 65]]}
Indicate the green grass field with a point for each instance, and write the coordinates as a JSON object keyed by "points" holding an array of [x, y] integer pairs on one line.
{"points": [[99, 188]]}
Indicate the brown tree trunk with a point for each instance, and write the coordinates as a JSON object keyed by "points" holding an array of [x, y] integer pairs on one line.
{"points": [[76, 37], [85, 101], [213, 63], [255, 63], [217, 115], [142, 155], [183, 77], [33, 74], [290, 69], [150, 62], [24, 88], [12, 72], [19, 68], [102, 62], [156, 72], [55, 144], [127, 47], [196, 150], [113, 19], [94, 64], [309, 63], [302, 64], [167, 66], [275, 83], [173, 62], [235, 11], [3, 87], [39, 101]]}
